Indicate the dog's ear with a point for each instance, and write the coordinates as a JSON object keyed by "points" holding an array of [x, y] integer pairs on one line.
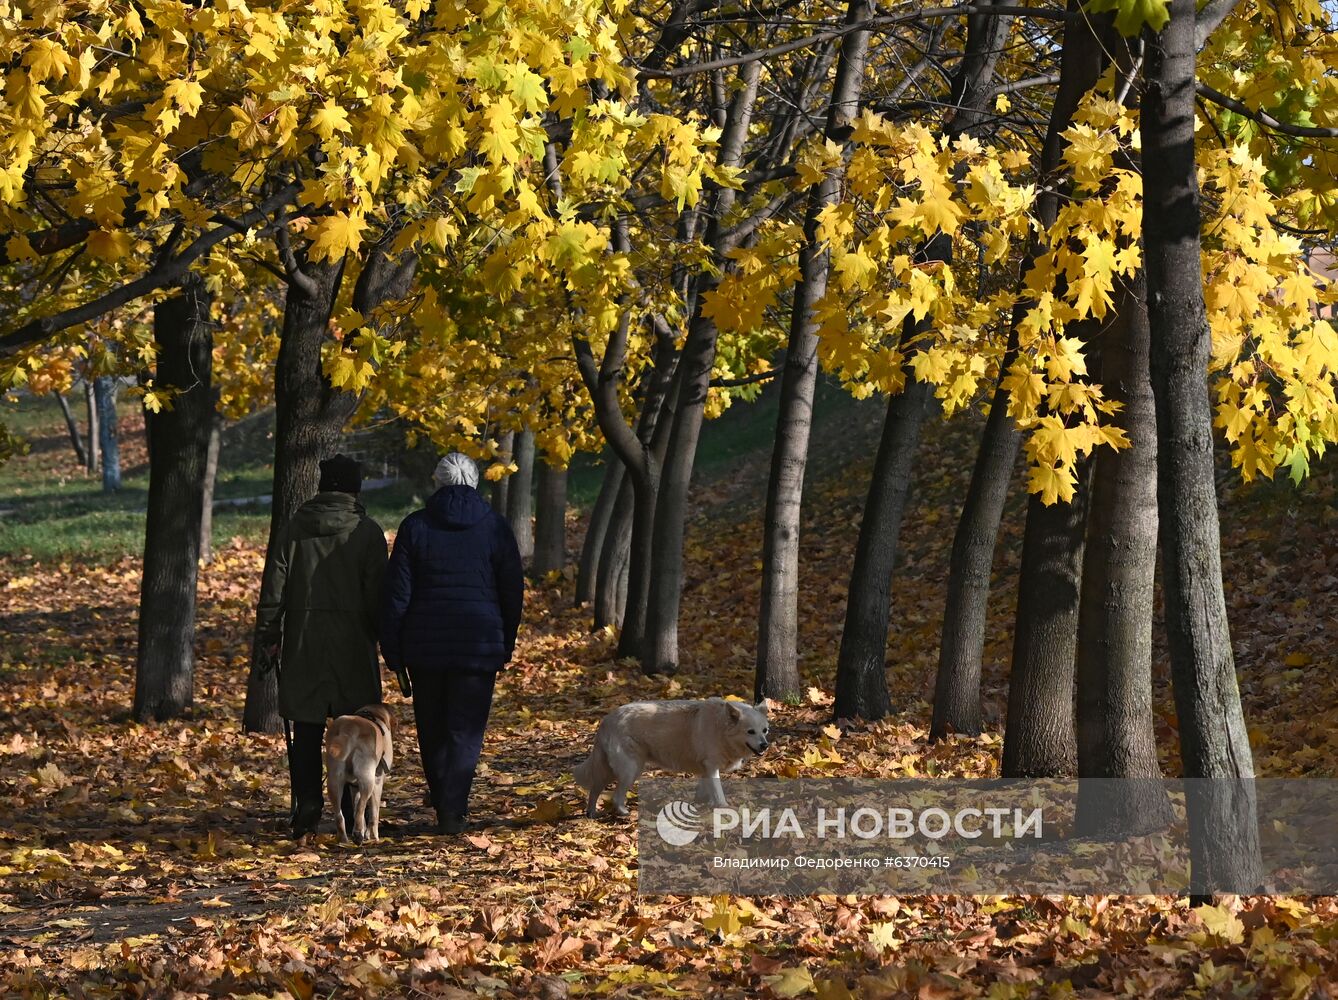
{"points": [[734, 712], [761, 706]]}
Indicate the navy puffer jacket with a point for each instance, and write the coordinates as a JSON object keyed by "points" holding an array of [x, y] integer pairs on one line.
{"points": [[454, 587]]}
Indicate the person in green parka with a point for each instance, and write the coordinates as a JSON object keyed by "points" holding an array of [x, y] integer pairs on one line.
{"points": [[317, 620]]}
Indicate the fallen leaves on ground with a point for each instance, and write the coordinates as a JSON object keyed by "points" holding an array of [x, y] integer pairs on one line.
{"points": [[151, 860]]}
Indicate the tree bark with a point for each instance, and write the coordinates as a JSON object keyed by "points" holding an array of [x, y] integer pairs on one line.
{"points": [[76, 441], [210, 481], [550, 521], [777, 670], [501, 488], [520, 495], [660, 651], [957, 688], [1087, 44], [1224, 836], [91, 407], [105, 390], [861, 678], [611, 582], [601, 517], [165, 660], [1039, 737], [309, 416], [1115, 733]]}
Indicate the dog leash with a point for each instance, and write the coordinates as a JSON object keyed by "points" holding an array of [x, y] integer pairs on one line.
{"points": [[276, 664]]}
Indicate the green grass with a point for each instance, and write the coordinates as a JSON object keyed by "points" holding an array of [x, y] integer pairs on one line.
{"points": [[50, 510]]}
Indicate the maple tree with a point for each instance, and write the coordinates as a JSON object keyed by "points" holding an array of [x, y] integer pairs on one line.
{"points": [[530, 230]]}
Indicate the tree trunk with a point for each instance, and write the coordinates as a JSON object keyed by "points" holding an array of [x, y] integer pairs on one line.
{"points": [[957, 689], [1115, 733], [601, 516], [550, 521], [861, 678], [693, 378], [91, 405], [777, 671], [1224, 836], [210, 481], [1087, 43], [652, 433], [501, 488], [106, 388], [520, 495], [1039, 737], [309, 417], [165, 661], [611, 574], [76, 442]]}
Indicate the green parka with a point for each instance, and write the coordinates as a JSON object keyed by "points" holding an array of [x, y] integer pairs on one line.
{"points": [[320, 602]]}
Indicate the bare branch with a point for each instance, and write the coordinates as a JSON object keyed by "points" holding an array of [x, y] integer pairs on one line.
{"points": [[164, 273], [1264, 118], [734, 383], [1213, 13], [297, 277], [646, 72]]}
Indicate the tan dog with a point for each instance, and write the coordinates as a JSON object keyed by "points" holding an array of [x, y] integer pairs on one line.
{"points": [[702, 738], [359, 752]]}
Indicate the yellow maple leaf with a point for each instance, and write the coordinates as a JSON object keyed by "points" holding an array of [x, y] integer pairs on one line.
{"points": [[337, 235], [331, 118]]}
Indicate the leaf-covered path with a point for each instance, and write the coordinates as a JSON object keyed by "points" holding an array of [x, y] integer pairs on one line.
{"points": [[151, 861]]}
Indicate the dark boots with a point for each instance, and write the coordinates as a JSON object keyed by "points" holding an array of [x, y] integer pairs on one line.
{"points": [[306, 772]]}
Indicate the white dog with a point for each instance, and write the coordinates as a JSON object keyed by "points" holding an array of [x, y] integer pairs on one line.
{"points": [[697, 737]]}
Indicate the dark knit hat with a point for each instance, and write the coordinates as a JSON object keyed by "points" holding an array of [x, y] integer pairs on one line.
{"points": [[341, 474]]}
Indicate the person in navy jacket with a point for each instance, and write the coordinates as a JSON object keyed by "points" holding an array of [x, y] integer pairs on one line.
{"points": [[454, 591]]}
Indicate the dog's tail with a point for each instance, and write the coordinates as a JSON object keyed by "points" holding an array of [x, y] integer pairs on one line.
{"points": [[584, 773], [334, 749]]}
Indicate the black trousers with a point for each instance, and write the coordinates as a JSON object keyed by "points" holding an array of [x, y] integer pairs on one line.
{"points": [[450, 711], [306, 772]]}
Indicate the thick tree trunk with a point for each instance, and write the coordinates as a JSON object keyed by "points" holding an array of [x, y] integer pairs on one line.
{"points": [[1039, 738], [165, 661], [861, 677], [1115, 732], [1088, 41], [957, 689], [1224, 836], [76, 442], [520, 494], [652, 432], [550, 521], [641, 554], [660, 651], [587, 572], [501, 488], [309, 417], [105, 389], [94, 442], [611, 572], [210, 481], [777, 671]]}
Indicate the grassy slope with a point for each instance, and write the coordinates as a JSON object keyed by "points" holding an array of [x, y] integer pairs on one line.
{"points": [[51, 508]]}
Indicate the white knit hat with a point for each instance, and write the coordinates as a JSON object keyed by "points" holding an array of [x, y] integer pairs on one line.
{"points": [[456, 469]]}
